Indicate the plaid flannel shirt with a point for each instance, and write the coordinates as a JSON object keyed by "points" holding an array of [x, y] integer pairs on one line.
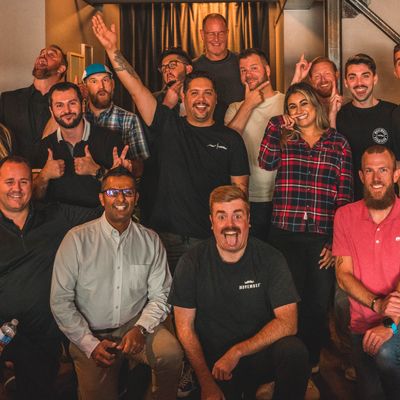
{"points": [[117, 119], [311, 183]]}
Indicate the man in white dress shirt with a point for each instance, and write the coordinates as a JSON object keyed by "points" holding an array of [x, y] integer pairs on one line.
{"points": [[109, 290]]}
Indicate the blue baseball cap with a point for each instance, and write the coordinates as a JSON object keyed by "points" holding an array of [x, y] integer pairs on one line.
{"points": [[96, 69]]}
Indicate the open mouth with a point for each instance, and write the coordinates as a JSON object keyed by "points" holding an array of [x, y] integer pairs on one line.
{"points": [[231, 236], [202, 107], [121, 207]]}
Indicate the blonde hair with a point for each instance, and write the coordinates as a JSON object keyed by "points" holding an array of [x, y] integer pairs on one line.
{"points": [[226, 194]]}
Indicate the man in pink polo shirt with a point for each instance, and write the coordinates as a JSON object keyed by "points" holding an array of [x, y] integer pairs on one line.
{"points": [[367, 249]]}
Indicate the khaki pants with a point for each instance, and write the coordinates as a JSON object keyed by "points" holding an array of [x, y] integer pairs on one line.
{"points": [[162, 353]]}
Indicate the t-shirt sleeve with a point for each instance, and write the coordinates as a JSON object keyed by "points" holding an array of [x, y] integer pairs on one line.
{"points": [[231, 112], [396, 133], [183, 289], [340, 245], [280, 286], [161, 116], [239, 162]]}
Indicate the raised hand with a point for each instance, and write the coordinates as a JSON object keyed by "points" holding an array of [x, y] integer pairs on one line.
{"points": [[254, 97], [122, 160], [86, 165], [335, 104], [53, 169], [107, 37], [172, 95], [302, 69], [289, 121]]}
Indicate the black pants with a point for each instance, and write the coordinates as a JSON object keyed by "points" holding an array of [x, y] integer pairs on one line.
{"points": [[36, 363], [315, 286], [260, 219], [285, 362]]}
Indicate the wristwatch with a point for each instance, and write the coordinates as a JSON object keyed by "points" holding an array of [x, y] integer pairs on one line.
{"points": [[389, 323], [142, 330], [100, 173]]}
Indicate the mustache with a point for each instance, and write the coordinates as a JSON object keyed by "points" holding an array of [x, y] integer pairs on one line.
{"points": [[230, 229]]}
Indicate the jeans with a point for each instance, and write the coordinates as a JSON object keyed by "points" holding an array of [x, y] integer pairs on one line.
{"points": [[302, 252], [260, 219], [378, 377], [176, 246], [285, 362]]}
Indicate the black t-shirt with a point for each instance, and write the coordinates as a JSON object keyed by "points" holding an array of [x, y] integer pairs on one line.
{"points": [[226, 75], [192, 161], [81, 190], [26, 264], [232, 301], [364, 127]]}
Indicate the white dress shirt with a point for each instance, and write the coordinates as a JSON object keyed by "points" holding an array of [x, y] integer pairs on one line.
{"points": [[103, 279]]}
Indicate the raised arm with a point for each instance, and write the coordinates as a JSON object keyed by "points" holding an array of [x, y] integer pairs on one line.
{"points": [[141, 95]]}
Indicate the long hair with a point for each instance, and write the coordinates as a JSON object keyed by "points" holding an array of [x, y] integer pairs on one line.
{"points": [[5, 142], [309, 93]]}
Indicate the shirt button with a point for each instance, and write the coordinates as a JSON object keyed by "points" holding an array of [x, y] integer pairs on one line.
{"points": [[377, 241], [118, 267], [378, 229], [118, 287], [116, 307]]}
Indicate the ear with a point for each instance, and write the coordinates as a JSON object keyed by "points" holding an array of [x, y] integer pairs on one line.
{"points": [[136, 197], [376, 79], [202, 34], [361, 175], [189, 69], [61, 69], [345, 83], [211, 221], [101, 198], [268, 70], [396, 175]]}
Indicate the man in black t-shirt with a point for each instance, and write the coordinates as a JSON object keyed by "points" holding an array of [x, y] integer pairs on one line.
{"points": [[366, 120], [73, 158], [196, 154], [235, 309]]}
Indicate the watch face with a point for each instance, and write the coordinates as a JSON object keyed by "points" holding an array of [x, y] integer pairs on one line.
{"points": [[388, 322]]}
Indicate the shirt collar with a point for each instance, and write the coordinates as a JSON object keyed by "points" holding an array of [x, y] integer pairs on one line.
{"points": [[394, 212], [109, 230], [86, 132], [104, 114]]}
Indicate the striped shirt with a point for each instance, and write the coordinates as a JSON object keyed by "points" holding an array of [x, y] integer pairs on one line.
{"points": [[117, 119], [311, 183]]}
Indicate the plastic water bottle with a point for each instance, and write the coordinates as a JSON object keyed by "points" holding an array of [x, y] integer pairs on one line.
{"points": [[7, 332]]}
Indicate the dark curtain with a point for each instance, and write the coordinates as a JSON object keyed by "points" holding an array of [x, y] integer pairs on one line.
{"points": [[148, 29]]}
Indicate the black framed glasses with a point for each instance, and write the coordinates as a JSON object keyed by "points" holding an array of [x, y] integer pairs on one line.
{"points": [[116, 192], [170, 65]]}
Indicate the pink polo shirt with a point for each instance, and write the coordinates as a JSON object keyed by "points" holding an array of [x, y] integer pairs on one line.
{"points": [[375, 251]]}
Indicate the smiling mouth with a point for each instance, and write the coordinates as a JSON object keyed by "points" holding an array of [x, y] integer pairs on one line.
{"points": [[302, 116]]}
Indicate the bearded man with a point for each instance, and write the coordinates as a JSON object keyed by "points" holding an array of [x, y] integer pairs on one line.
{"points": [[101, 111], [75, 157], [366, 246], [25, 111]]}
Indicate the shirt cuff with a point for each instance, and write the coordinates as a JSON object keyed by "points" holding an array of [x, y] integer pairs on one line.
{"points": [[88, 344]]}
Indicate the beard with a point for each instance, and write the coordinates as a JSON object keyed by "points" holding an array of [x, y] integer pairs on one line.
{"points": [[101, 102], [42, 73], [73, 124], [388, 198]]}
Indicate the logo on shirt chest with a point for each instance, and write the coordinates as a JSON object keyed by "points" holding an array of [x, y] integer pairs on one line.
{"points": [[380, 135], [250, 284], [217, 146]]}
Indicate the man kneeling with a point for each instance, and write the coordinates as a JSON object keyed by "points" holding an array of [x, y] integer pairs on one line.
{"points": [[235, 309], [109, 290]]}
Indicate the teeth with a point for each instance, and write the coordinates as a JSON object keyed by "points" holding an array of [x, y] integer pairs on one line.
{"points": [[120, 208]]}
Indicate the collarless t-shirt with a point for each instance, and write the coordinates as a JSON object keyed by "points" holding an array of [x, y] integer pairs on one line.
{"points": [[192, 162], [232, 301], [364, 127]]}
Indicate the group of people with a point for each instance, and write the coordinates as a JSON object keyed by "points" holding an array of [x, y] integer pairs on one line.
{"points": [[246, 206]]}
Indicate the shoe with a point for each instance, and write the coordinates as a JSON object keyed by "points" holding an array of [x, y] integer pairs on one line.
{"points": [[315, 369], [312, 392], [187, 383], [265, 391]]}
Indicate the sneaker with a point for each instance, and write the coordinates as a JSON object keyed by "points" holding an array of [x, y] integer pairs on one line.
{"points": [[187, 381], [265, 391], [312, 392]]}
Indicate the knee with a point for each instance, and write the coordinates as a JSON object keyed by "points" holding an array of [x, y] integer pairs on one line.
{"points": [[171, 356], [387, 359], [293, 350]]}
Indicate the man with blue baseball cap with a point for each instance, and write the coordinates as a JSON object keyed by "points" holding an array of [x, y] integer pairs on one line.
{"points": [[101, 111]]}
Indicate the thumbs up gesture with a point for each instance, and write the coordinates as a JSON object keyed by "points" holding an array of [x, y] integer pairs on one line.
{"points": [[53, 169], [86, 165]]}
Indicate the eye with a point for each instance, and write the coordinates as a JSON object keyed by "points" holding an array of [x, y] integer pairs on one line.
{"points": [[238, 217]]}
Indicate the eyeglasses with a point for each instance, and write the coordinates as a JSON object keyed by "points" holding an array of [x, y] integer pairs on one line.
{"points": [[171, 65], [215, 35], [116, 192]]}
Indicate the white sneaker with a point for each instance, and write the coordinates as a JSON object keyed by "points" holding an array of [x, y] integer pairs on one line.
{"points": [[187, 382]]}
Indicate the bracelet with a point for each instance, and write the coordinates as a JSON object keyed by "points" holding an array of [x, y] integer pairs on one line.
{"points": [[373, 303]]}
